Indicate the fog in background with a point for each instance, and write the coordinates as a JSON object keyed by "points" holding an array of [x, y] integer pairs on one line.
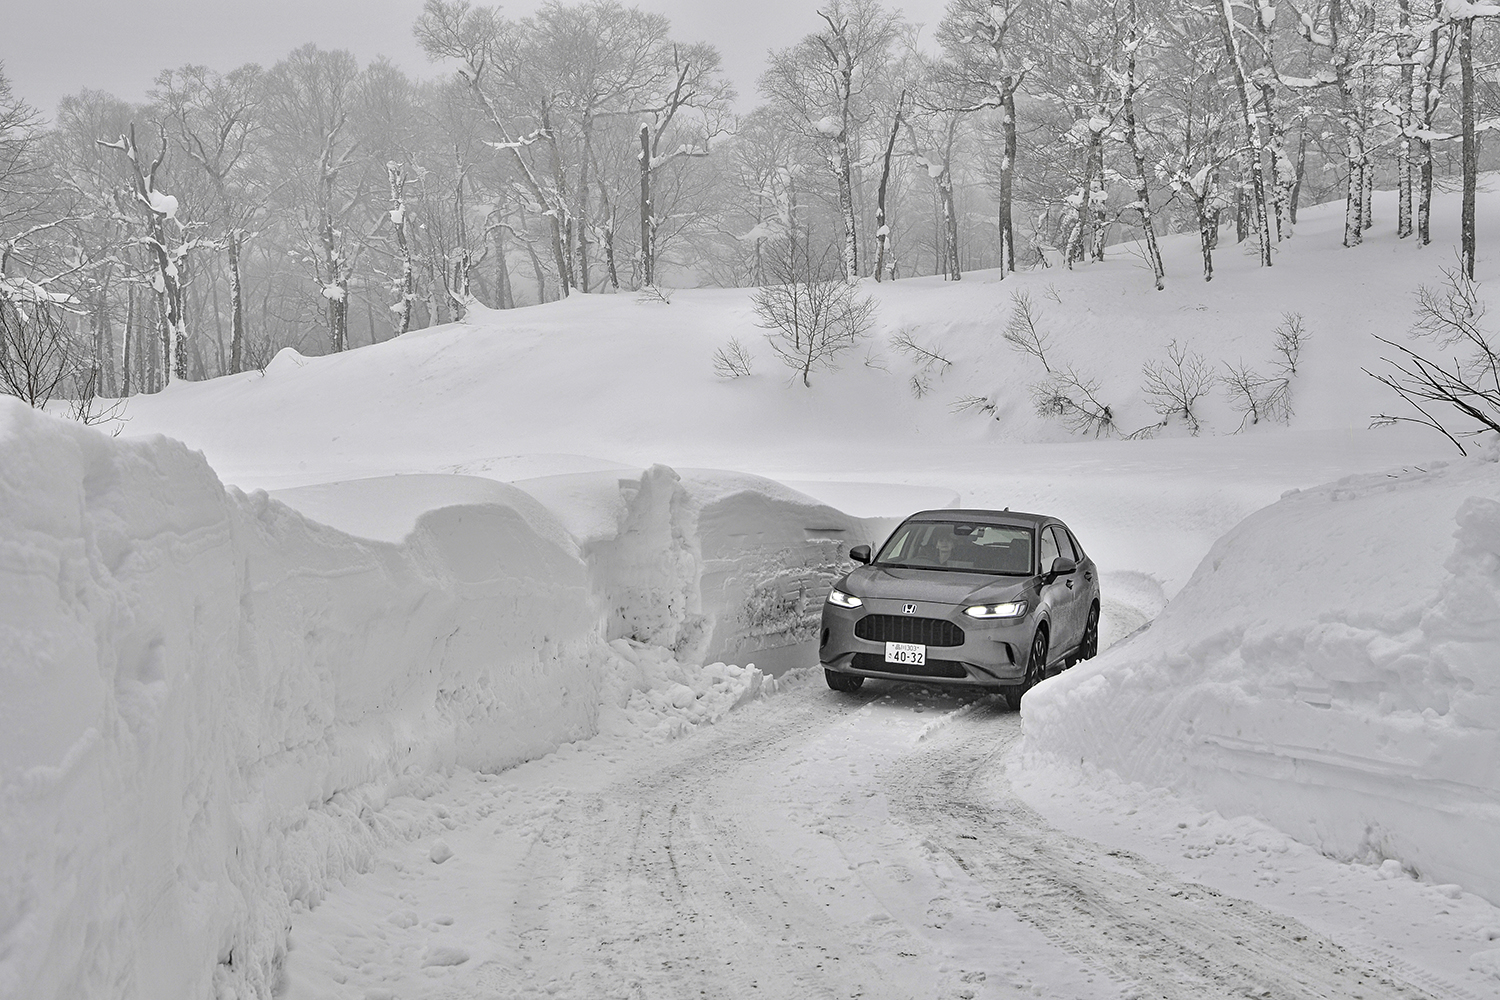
{"points": [[54, 49]]}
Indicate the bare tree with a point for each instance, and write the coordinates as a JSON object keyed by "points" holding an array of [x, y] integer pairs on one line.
{"points": [[216, 121], [38, 358], [812, 314], [311, 98], [978, 38], [1466, 380], [156, 207], [1176, 384], [819, 83], [732, 360], [1064, 393]]}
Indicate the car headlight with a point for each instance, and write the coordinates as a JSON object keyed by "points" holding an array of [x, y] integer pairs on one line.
{"points": [[843, 600], [1011, 609]]}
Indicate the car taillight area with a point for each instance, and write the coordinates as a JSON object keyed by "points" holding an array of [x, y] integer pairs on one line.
{"points": [[901, 628]]}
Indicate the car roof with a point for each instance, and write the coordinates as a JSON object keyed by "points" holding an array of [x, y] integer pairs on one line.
{"points": [[979, 516]]}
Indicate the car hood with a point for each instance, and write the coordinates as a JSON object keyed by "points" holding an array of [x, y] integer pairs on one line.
{"points": [[936, 586]]}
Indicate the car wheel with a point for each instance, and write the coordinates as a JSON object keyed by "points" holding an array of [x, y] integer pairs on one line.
{"points": [[1036, 664], [847, 683], [1088, 646]]}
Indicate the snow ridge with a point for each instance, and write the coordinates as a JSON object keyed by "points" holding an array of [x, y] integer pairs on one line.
{"points": [[207, 698]]}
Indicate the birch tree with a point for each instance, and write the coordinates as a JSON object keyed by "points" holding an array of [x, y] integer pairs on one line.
{"points": [[982, 45], [157, 208], [216, 121], [819, 84]]}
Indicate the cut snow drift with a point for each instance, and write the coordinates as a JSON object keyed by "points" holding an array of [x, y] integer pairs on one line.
{"points": [[206, 698], [1333, 667]]}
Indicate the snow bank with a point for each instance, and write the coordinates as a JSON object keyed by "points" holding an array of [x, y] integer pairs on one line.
{"points": [[1333, 667], [206, 697]]}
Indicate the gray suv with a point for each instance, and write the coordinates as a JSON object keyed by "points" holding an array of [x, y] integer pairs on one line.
{"points": [[992, 599]]}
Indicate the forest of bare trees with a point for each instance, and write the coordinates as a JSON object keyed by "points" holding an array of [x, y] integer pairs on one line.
{"points": [[321, 205]]}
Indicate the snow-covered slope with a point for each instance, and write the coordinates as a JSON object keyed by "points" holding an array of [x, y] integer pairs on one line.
{"points": [[1332, 667], [598, 381]]}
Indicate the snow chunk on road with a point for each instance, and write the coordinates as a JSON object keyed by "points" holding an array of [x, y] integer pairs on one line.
{"points": [[1332, 667]]}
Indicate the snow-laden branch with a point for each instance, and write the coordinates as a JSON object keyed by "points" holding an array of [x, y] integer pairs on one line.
{"points": [[522, 142]]}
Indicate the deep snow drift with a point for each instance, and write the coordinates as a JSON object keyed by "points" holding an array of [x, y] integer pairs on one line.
{"points": [[207, 697], [1333, 667]]}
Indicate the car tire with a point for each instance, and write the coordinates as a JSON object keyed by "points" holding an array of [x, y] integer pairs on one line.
{"points": [[847, 683], [1036, 662], [1088, 646]]}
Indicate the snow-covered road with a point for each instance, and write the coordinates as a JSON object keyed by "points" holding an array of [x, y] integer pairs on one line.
{"points": [[810, 845]]}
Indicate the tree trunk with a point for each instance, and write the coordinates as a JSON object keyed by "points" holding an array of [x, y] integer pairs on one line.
{"points": [[1296, 194], [950, 227], [1424, 192], [1405, 52], [1208, 231], [504, 297], [236, 304], [1467, 241], [1142, 190], [648, 253], [583, 206], [1247, 121], [1007, 183], [1354, 205], [882, 225], [130, 348], [1097, 215], [406, 283]]}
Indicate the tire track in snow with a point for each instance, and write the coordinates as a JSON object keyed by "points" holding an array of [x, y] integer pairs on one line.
{"points": [[692, 904], [1172, 940]]}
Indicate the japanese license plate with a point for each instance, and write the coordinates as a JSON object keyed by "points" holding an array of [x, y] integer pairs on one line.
{"points": [[912, 654]]}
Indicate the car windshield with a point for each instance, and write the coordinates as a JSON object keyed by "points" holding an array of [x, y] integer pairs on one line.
{"points": [[959, 546]]}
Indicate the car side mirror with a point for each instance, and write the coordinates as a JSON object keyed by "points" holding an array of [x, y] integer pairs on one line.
{"points": [[1061, 566], [860, 554]]}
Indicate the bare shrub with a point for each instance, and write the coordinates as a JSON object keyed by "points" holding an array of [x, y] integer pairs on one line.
{"points": [[654, 295], [1290, 338], [1257, 396], [930, 364], [1065, 393], [980, 404], [1176, 384], [812, 315], [732, 360], [1468, 380], [1074, 399], [1023, 330], [39, 359]]}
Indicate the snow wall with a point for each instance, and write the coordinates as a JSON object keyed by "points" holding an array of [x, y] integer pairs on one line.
{"points": [[1332, 667], [206, 697]]}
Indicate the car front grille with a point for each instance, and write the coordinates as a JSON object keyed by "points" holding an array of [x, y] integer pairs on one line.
{"points": [[932, 668], [900, 628]]}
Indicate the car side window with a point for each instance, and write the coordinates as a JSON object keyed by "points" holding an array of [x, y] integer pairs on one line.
{"points": [[1064, 543], [1049, 548], [1073, 539]]}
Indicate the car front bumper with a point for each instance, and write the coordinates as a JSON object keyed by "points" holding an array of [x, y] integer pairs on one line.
{"points": [[991, 655]]}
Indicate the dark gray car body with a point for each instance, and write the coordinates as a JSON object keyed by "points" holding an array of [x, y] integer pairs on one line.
{"points": [[927, 606]]}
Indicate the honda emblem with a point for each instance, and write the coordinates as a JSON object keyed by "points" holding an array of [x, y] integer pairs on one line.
{"points": [[909, 609]]}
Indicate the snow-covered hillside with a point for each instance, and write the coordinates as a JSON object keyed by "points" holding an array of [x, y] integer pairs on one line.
{"points": [[485, 540]]}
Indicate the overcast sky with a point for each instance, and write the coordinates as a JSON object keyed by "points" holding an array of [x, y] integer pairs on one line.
{"points": [[55, 47]]}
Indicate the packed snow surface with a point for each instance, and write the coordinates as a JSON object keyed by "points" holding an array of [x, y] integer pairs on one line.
{"points": [[511, 540]]}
